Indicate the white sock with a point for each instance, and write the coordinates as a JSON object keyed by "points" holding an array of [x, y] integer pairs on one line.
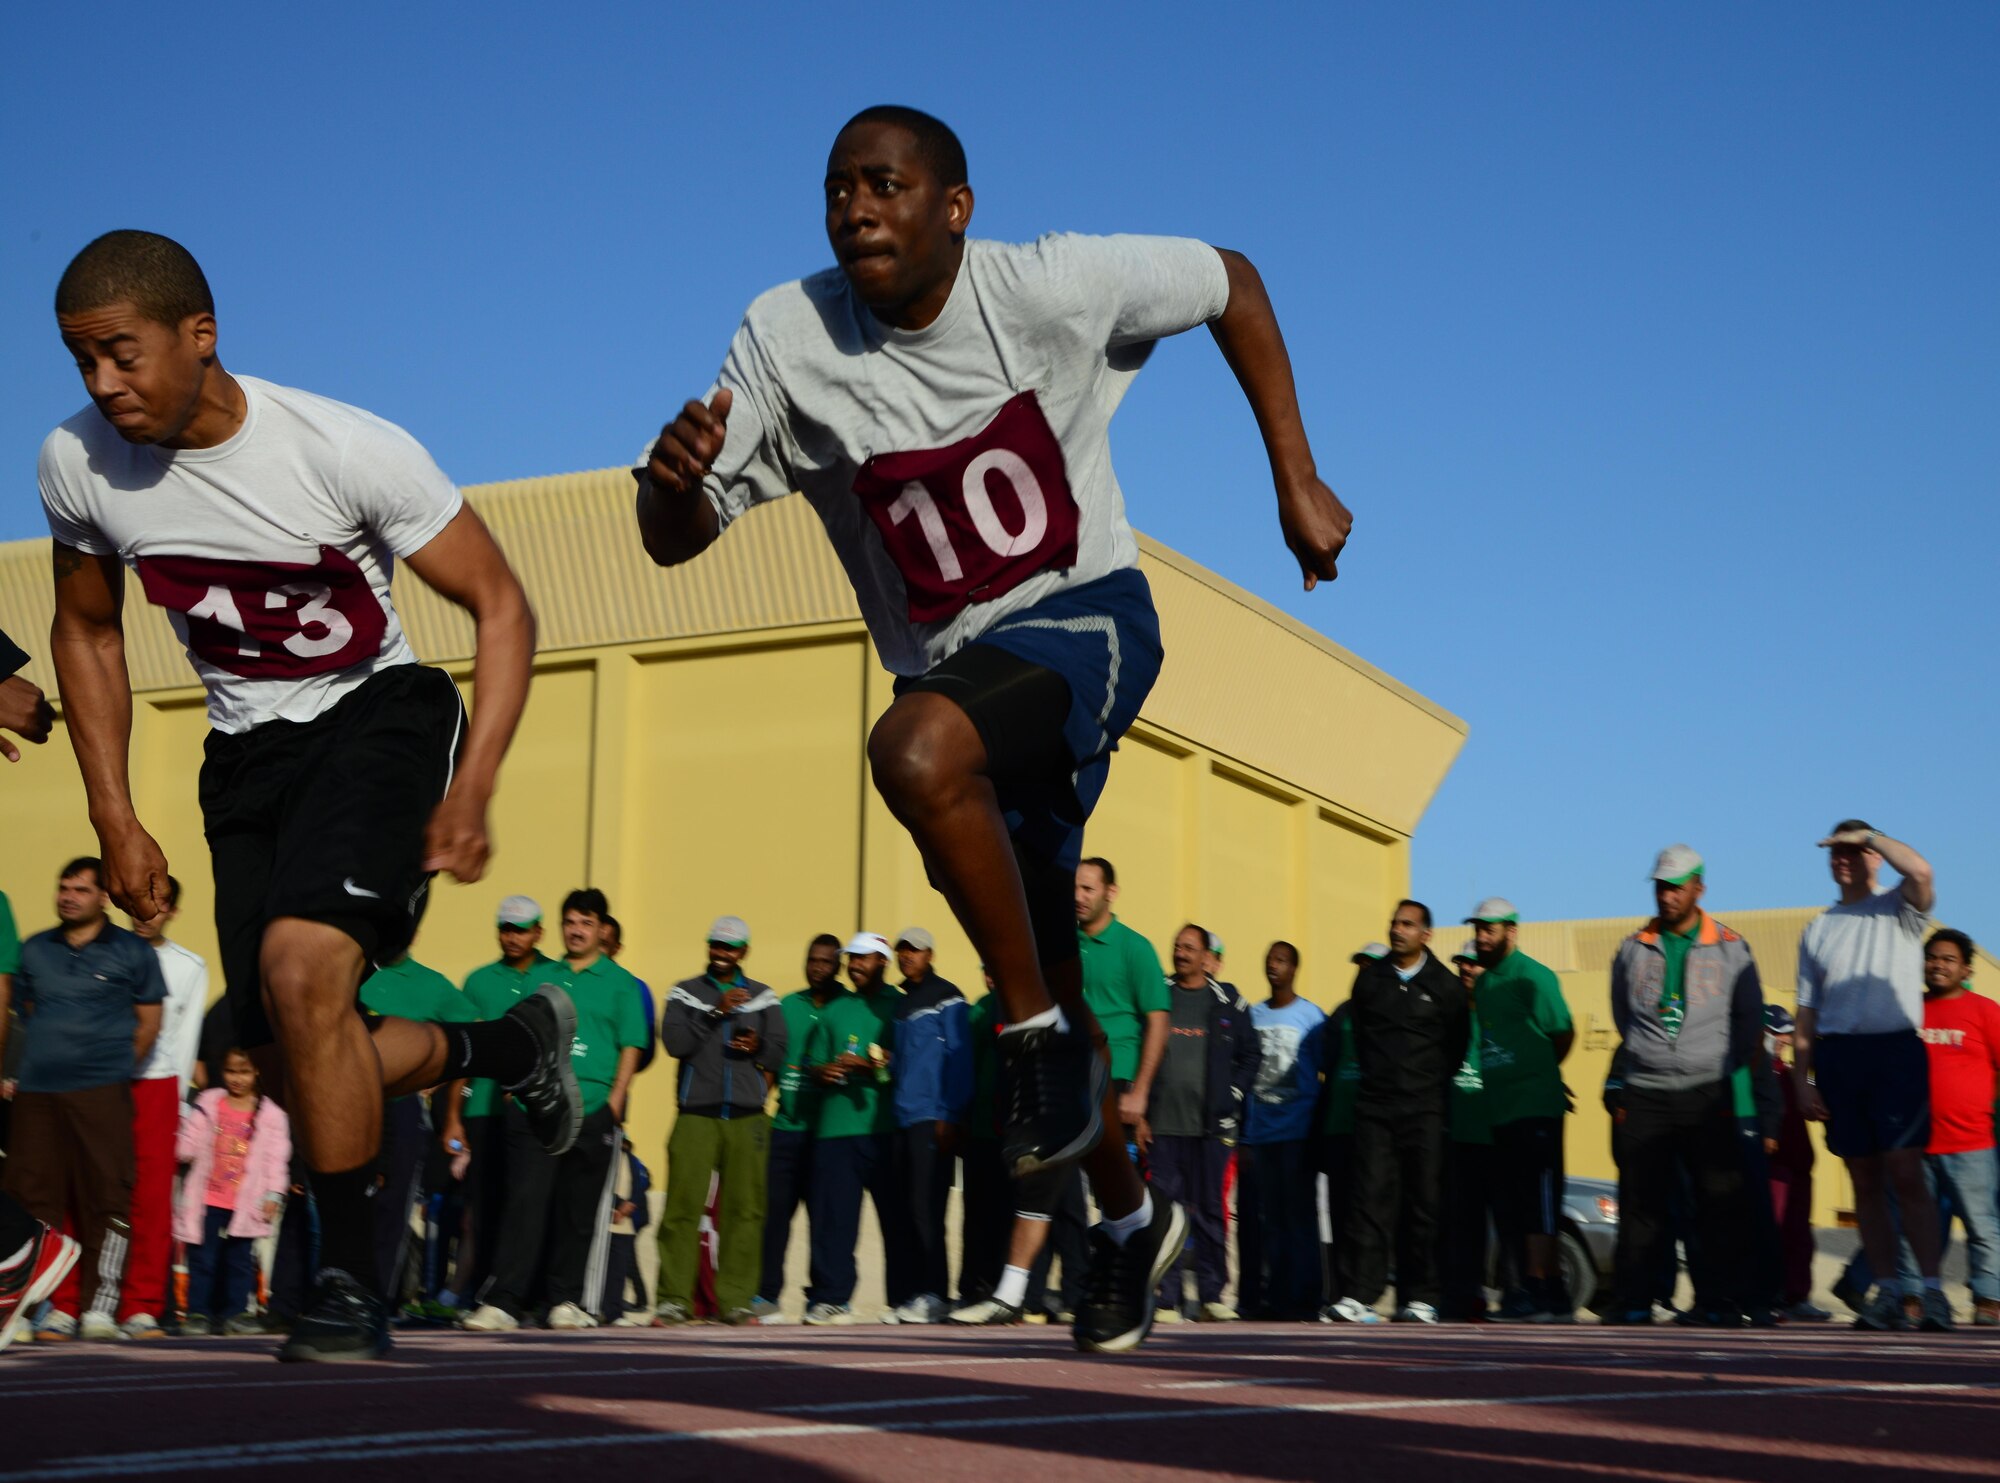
{"points": [[1052, 1017], [1120, 1227], [1934, 1284], [1013, 1287], [17, 1258]]}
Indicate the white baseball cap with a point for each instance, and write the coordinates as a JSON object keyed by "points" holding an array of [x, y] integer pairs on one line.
{"points": [[729, 931], [868, 942], [1677, 865], [1372, 953], [918, 938], [1494, 909], [520, 911]]}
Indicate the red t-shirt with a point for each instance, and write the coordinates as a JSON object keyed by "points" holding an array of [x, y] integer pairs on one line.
{"points": [[1962, 1035]]}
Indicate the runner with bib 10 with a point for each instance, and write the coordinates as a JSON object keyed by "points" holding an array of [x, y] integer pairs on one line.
{"points": [[944, 404]]}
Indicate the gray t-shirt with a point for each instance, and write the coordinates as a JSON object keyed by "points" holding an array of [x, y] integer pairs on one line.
{"points": [[963, 471], [1178, 1106], [1861, 967]]}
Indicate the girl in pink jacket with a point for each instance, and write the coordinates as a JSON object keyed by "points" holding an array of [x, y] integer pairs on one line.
{"points": [[237, 1146]]}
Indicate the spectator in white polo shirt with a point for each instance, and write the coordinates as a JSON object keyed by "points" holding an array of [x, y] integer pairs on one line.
{"points": [[1859, 1055], [157, 1092]]}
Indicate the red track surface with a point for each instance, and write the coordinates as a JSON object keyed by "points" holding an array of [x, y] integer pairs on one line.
{"points": [[1248, 1401]]}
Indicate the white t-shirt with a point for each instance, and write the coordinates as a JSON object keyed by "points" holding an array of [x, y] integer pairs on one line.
{"points": [[963, 471], [272, 552], [181, 1014], [1861, 967]]}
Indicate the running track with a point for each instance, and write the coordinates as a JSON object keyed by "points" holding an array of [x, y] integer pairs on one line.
{"points": [[1451, 1405]]}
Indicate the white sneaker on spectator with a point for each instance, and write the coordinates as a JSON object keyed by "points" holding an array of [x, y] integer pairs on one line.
{"points": [[144, 1326], [1166, 1313], [764, 1309], [56, 1327], [1416, 1313], [632, 1321], [1216, 1313], [1350, 1310], [672, 1313], [925, 1307], [570, 1316], [488, 1319], [891, 1315], [829, 1314], [98, 1327]]}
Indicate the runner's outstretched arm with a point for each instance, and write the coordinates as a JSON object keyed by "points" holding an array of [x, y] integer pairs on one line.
{"points": [[463, 563], [676, 521], [87, 643], [1311, 515]]}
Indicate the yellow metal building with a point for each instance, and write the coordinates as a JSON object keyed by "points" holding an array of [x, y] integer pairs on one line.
{"points": [[694, 745], [1580, 953]]}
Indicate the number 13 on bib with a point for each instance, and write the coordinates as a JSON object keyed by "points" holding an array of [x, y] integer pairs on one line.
{"points": [[972, 521]]}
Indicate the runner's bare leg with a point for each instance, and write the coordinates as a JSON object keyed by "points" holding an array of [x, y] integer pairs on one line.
{"points": [[929, 765]]}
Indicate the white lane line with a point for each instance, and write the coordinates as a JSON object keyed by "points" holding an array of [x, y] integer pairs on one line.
{"points": [[253, 1454], [552, 1375], [348, 1449], [1229, 1384], [846, 1408]]}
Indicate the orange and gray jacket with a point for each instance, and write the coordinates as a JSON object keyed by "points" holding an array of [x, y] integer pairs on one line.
{"points": [[1723, 1025]]}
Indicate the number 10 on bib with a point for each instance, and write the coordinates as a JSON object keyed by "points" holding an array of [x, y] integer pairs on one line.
{"points": [[972, 521]]}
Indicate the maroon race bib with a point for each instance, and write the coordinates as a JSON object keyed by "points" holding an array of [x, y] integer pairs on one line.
{"points": [[269, 620], [972, 521]]}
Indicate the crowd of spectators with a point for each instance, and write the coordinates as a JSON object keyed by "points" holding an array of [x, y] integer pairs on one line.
{"points": [[1412, 1139]]}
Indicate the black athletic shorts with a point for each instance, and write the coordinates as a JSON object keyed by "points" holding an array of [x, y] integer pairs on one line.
{"points": [[1527, 1172], [324, 819]]}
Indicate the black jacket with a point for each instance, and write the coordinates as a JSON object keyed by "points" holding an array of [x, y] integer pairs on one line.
{"points": [[1409, 1039]]}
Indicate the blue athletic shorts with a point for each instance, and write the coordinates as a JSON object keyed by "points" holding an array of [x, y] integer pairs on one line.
{"points": [[1102, 641], [1877, 1090]]}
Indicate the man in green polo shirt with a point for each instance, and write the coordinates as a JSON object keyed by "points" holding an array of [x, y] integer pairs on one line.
{"points": [[555, 1206], [406, 989], [845, 1054], [471, 1124], [1125, 989], [788, 1173], [1525, 1033]]}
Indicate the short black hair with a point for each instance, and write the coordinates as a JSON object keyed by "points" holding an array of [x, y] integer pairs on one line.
{"points": [[1104, 865], [173, 892], [154, 274], [1847, 826], [1953, 936], [1288, 947], [942, 154], [1198, 929], [1419, 906], [589, 899], [825, 939], [79, 865], [617, 931]]}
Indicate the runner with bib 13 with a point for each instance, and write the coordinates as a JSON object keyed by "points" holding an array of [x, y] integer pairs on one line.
{"points": [[944, 404]]}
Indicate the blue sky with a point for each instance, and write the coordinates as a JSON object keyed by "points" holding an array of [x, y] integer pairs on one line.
{"points": [[1657, 349]]}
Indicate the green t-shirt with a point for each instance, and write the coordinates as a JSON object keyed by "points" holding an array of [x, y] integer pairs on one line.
{"points": [[982, 1021], [1343, 1082], [861, 1104], [1521, 1011], [1673, 981], [410, 991], [610, 1017], [492, 991], [1471, 1121], [10, 940], [798, 1094], [1122, 984]]}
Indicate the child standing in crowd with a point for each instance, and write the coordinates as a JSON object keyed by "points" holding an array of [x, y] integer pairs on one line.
{"points": [[630, 1214], [238, 1148]]}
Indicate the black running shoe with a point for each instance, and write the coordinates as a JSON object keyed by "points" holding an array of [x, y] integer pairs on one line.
{"points": [[1055, 1083], [1117, 1310], [985, 1313], [343, 1321], [550, 1096]]}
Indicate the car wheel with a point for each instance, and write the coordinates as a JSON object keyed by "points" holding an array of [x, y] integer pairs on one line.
{"points": [[1578, 1270]]}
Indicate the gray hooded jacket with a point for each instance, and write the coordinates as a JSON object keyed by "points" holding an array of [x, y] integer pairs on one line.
{"points": [[1723, 1027]]}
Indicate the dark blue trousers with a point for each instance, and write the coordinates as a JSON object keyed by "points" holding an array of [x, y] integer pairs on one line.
{"points": [[1284, 1188], [234, 1259], [842, 1170], [1190, 1170], [787, 1179]]}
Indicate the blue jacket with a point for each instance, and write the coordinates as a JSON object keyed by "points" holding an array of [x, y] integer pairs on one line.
{"points": [[931, 1059]]}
